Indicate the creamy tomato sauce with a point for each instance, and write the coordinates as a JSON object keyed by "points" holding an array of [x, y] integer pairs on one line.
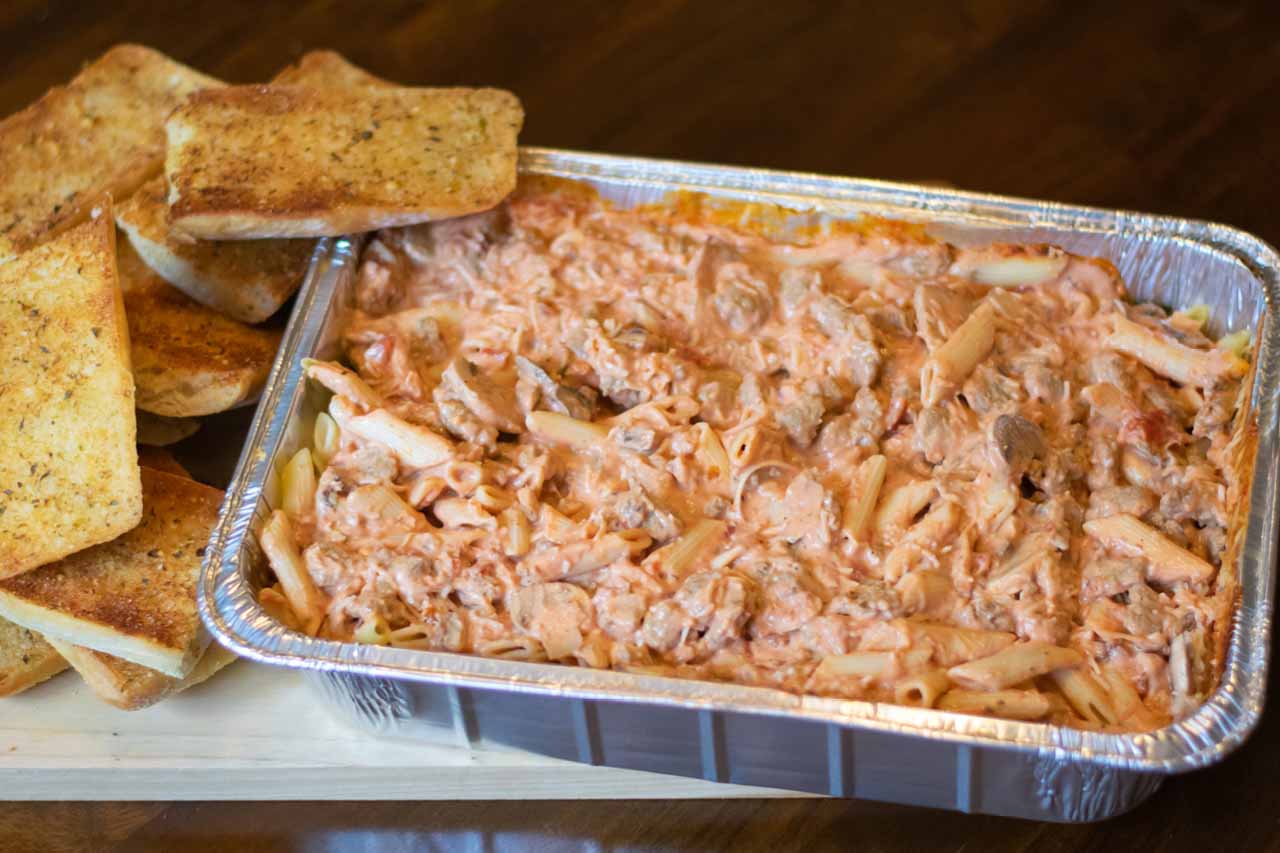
{"points": [[738, 389]]}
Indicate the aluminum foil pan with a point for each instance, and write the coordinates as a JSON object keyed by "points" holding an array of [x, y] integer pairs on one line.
{"points": [[760, 736]]}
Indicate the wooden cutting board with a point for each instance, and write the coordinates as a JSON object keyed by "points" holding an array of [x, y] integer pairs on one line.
{"points": [[255, 732]]}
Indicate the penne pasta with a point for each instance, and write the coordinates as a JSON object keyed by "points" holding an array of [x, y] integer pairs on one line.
{"points": [[1089, 698], [1201, 368], [563, 429], [307, 602], [923, 689], [674, 559], [277, 607], [298, 485], [876, 666], [712, 456], [901, 505], [462, 512], [325, 437], [416, 445], [1010, 704], [373, 631], [1129, 708], [949, 645], [517, 528], [864, 492], [952, 362], [344, 383], [423, 490], [1168, 562], [1014, 665], [492, 498], [925, 593]]}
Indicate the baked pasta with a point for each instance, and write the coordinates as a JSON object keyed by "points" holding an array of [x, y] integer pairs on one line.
{"points": [[851, 461]]}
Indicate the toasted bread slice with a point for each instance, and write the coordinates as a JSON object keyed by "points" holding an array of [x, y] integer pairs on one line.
{"points": [[159, 459], [101, 133], [69, 466], [135, 597], [25, 659], [245, 279], [159, 431], [325, 69], [288, 161], [188, 360], [132, 687]]}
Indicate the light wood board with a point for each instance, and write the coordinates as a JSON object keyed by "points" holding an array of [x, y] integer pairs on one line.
{"points": [[259, 733]]}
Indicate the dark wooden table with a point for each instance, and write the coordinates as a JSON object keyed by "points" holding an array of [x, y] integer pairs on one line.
{"points": [[1169, 108]]}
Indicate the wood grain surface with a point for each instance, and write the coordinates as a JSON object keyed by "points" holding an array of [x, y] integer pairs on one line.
{"points": [[1166, 107]]}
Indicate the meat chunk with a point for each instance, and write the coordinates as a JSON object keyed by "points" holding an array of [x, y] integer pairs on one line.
{"points": [[789, 600], [556, 614], [490, 402], [556, 396], [635, 511], [1144, 612], [1134, 500], [664, 626], [800, 418], [796, 283], [933, 435], [989, 390], [939, 312], [741, 300], [639, 439], [862, 358], [458, 420], [868, 599]]}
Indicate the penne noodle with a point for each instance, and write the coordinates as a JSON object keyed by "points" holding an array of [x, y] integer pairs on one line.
{"points": [[922, 690], [864, 492], [1168, 562], [877, 666], [463, 477], [423, 490], [416, 445], [1201, 368], [514, 648], [563, 429], [517, 528], [307, 602], [712, 456], [1129, 707], [373, 631], [935, 527], [325, 437], [952, 362], [277, 607], [1010, 704], [674, 559], [745, 446], [1138, 471], [491, 498], [461, 512], [298, 485], [949, 645], [1014, 665], [558, 527], [926, 593], [901, 505], [1089, 699], [638, 539], [343, 382]]}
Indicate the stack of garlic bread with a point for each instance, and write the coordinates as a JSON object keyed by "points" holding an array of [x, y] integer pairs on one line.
{"points": [[156, 223]]}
